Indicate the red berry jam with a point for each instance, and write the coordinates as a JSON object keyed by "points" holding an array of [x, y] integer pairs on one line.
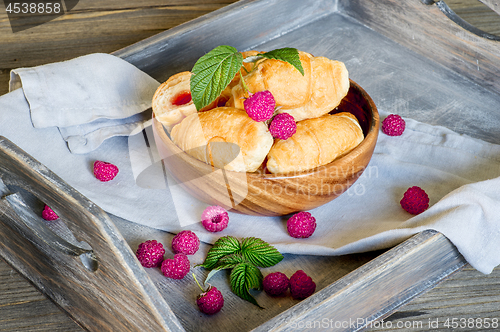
{"points": [[182, 98]]}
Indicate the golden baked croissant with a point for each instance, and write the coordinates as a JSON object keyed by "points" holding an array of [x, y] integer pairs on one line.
{"points": [[172, 100], [205, 136], [316, 142], [324, 83]]}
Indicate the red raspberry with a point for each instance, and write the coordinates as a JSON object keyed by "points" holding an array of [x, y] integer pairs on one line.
{"points": [[104, 171], [283, 126], [415, 200], [393, 125], [260, 106], [214, 218], [185, 242], [48, 214], [301, 285], [176, 268], [301, 225], [150, 253], [276, 284], [211, 301]]}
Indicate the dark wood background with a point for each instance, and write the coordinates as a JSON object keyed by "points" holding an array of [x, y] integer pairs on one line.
{"points": [[106, 26]]}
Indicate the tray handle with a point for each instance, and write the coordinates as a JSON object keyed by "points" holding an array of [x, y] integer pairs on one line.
{"points": [[441, 4], [34, 229]]}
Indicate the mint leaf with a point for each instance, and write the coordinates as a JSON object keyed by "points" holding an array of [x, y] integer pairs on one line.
{"points": [[212, 73], [287, 54], [226, 262], [259, 252], [224, 246], [230, 261], [246, 276]]}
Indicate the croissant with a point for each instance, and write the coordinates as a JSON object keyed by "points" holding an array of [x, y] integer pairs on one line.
{"points": [[316, 142], [324, 83], [224, 137], [172, 100]]}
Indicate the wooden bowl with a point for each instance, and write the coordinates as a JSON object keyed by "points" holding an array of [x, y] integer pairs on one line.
{"points": [[265, 194]]}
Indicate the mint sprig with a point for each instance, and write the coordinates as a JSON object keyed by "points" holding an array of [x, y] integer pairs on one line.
{"points": [[213, 72], [260, 253], [287, 54], [246, 276], [244, 258], [224, 246]]}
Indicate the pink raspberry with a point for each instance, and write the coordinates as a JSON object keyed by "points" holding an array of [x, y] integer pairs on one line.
{"points": [[260, 106], [150, 253], [415, 200], [393, 125], [185, 242], [301, 285], [211, 301], [176, 268], [276, 284], [214, 218], [301, 225], [48, 214], [104, 171], [283, 126]]}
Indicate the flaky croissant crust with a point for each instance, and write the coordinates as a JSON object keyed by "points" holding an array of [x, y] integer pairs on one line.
{"points": [[324, 83], [317, 142], [224, 137]]}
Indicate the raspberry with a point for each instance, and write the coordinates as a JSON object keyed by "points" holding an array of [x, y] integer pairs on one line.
{"points": [[276, 284], [214, 218], [211, 301], [150, 253], [185, 242], [393, 125], [176, 268], [283, 126], [48, 214], [260, 106], [415, 200], [301, 285], [104, 171], [301, 225]]}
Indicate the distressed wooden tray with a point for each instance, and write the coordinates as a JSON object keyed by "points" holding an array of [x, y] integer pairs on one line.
{"points": [[406, 54]]}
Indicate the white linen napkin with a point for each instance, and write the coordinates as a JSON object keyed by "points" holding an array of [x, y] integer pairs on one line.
{"points": [[89, 98], [459, 173]]}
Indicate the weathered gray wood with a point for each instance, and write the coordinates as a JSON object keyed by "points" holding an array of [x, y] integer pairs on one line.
{"points": [[493, 4], [468, 296], [426, 30], [477, 14], [119, 295], [376, 288]]}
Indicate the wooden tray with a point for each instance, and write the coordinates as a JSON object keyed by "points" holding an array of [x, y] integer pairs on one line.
{"points": [[408, 56]]}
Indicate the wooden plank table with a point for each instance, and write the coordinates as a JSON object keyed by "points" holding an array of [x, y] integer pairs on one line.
{"points": [[98, 26]]}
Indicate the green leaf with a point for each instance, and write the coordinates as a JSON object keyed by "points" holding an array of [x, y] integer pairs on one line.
{"points": [[246, 276], [230, 261], [226, 262], [259, 252], [212, 73], [224, 246], [287, 54]]}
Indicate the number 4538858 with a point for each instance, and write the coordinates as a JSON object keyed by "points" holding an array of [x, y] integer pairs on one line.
{"points": [[471, 323], [33, 8]]}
